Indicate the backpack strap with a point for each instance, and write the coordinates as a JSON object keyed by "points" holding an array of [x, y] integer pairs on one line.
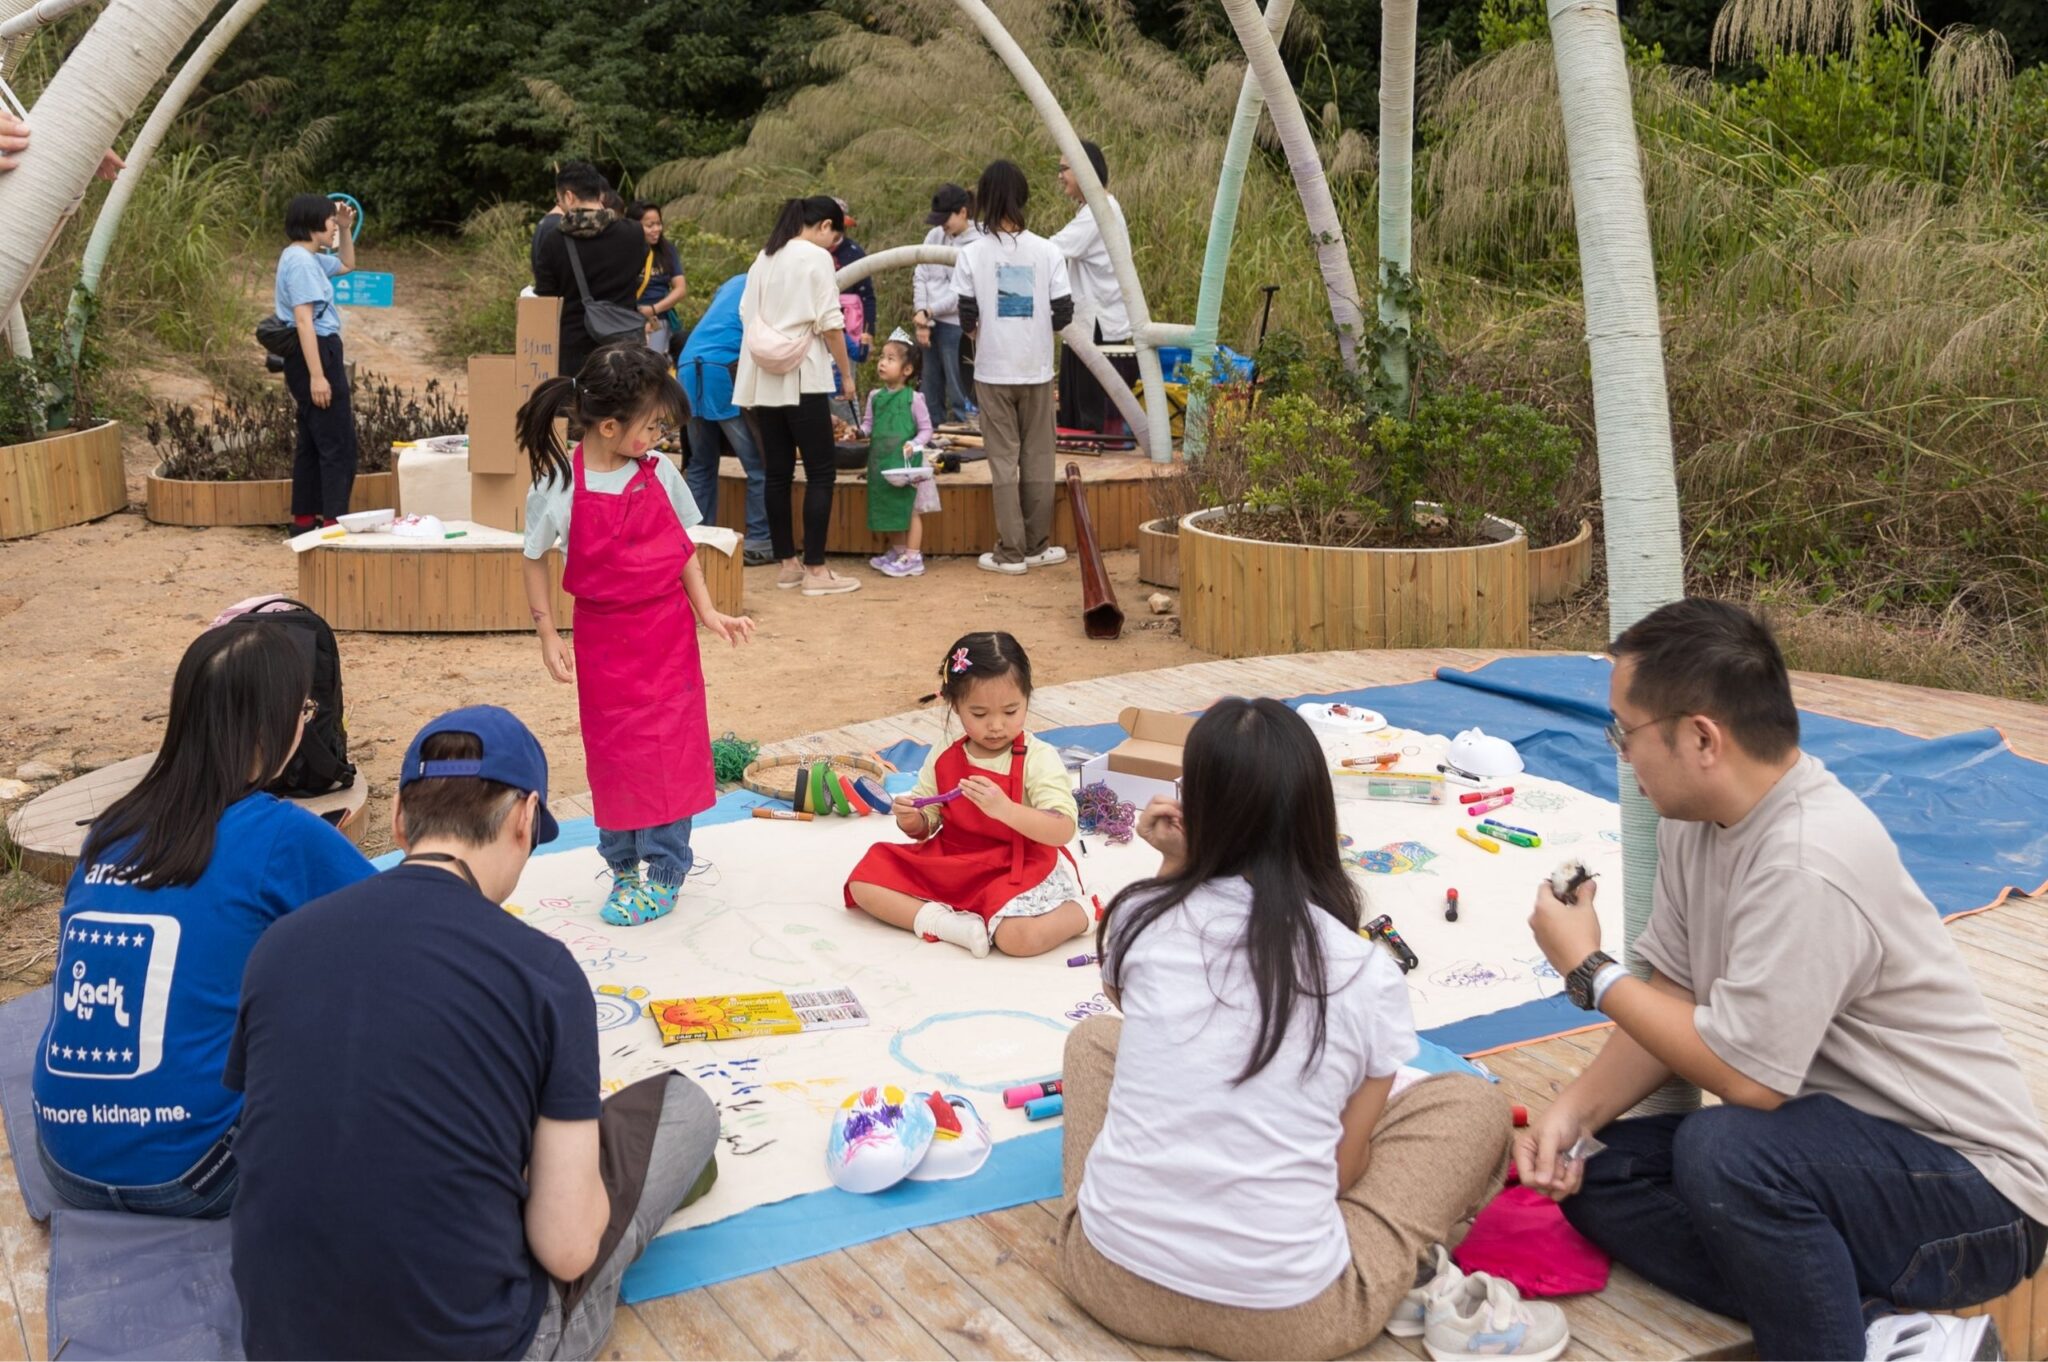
{"points": [[576, 265]]}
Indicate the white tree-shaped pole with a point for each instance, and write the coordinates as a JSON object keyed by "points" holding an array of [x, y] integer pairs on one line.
{"points": [[1397, 189]]}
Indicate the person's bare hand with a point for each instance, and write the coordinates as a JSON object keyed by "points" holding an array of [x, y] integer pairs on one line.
{"points": [[111, 166], [323, 392], [1541, 1153], [986, 795], [1164, 828], [13, 140]]}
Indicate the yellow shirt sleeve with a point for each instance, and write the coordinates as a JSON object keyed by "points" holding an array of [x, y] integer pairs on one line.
{"points": [[1047, 785], [928, 774]]}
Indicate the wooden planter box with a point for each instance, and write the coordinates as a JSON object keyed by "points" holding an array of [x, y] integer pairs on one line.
{"points": [[1248, 598], [263, 501], [66, 479], [1560, 570], [1159, 554]]}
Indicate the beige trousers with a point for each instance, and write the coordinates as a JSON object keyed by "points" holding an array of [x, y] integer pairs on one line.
{"points": [[1439, 1154], [1018, 435]]}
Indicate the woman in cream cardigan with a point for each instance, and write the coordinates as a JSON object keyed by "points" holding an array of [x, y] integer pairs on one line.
{"points": [[793, 336]]}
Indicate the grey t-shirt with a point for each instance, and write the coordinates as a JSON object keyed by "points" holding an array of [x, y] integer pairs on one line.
{"points": [[1819, 967], [547, 505]]}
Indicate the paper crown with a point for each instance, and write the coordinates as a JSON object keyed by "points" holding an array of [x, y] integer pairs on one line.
{"points": [[899, 334]]}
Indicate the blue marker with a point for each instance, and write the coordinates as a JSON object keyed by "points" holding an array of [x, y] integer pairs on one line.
{"points": [[1044, 1108]]}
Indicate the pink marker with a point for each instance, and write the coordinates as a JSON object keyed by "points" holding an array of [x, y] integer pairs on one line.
{"points": [[1485, 806], [1031, 1092]]}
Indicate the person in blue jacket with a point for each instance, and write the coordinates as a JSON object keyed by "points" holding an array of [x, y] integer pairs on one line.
{"points": [[710, 357]]}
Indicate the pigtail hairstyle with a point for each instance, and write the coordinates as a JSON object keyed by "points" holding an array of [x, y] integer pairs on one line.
{"points": [[232, 726], [1256, 801], [623, 381]]}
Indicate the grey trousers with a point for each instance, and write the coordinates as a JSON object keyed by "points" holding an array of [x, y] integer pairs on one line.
{"points": [[1018, 436], [683, 1142]]}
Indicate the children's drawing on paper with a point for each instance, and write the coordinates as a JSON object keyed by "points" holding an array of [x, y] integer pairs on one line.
{"points": [[619, 1005], [1396, 858], [1474, 974], [980, 1051]]}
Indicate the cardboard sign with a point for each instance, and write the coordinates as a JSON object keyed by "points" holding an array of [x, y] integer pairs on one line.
{"points": [[493, 399], [365, 288], [538, 349]]}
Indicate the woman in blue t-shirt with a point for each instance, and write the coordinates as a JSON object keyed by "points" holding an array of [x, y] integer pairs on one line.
{"points": [[324, 466], [177, 880]]}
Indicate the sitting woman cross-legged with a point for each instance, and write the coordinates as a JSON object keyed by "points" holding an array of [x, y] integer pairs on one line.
{"points": [[177, 880], [1236, 1178]]}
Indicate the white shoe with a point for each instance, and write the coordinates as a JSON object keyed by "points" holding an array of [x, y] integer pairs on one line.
{"points": [[1933, 1338], [1486, 1318], [1411, 1316], [990, 563], [1053, 554], [938, 922]]}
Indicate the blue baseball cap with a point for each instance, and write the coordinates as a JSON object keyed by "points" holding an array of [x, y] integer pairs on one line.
{"points": [[512, 756]]}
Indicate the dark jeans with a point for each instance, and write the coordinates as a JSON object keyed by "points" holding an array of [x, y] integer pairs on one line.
{"points": [[701, 473], [1806, 1221], [324, 466], [806, 427], [205, 1191], [946, 395]]}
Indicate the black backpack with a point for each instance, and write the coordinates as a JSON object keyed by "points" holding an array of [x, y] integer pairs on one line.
{"points": [[321, 764]]}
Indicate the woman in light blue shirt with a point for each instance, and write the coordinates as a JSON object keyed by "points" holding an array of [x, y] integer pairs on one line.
{"points": [[324, 467]]}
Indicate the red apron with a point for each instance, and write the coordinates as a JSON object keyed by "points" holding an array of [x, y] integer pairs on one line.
{"points": [[973, 863], [639, 681]]}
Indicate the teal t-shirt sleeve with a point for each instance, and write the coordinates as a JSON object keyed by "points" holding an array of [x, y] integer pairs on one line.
{"points": [[570, 1090], [301, 279], [678, 491], [309, 859], [329, 263]]}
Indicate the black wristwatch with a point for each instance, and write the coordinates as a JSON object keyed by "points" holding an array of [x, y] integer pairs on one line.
{"points": [[1578, 985]]}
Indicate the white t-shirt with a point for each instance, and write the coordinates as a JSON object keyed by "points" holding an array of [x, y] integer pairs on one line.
{"points": [[547, 505], [1223, 1191], [794, 290], [1093, 272], [1013, 280]]}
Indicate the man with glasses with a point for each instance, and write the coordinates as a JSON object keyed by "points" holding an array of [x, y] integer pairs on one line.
{"points": [[1875, 1150]]}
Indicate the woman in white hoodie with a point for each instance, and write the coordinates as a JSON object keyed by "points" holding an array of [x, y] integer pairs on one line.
{"points": [[792, 335]]}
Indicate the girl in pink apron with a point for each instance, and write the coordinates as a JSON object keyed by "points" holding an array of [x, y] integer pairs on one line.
{"points": [[987, 866], [623, 515]]}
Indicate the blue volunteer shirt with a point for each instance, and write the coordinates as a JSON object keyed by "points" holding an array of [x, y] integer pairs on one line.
{"points": [[305, 276], [398, 1041], [128, 1084], [709, 355]]}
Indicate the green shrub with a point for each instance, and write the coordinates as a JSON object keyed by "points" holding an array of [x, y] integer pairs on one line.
{"points": [[251, 436], [1478, 454]]}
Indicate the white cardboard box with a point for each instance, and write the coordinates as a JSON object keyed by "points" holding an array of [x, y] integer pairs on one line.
{"points": [[1137, 790]]}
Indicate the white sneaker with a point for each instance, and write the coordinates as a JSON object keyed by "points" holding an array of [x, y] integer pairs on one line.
{"points": [[1486, 1317], [938, 922], [990, 563], [1053, 554], [1933, 1338], [1411, 1316]]}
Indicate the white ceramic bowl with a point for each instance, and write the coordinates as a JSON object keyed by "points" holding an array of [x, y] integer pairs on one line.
{"points": [[361, 522], [903, 477]]}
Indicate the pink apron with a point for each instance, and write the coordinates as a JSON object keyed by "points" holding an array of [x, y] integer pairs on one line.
{"points": [[639, 680]]}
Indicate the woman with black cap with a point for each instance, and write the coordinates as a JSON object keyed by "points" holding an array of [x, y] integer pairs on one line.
{"points": [[938, 306]]}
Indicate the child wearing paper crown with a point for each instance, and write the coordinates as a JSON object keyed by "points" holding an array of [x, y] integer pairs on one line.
{"points": [[622, 518], [988, 866], [896, 420]]}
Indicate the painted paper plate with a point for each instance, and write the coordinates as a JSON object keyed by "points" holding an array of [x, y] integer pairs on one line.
{"points": [[1355, 720], [878, 1136], [960, 1141]]}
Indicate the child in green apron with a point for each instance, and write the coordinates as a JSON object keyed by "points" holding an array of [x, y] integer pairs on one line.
{"points": [[896, 416]]}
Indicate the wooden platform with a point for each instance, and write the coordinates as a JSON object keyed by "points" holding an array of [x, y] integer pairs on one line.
{"points": [[50, 829], [1117, 485], [67, 479], [985, 1287]]}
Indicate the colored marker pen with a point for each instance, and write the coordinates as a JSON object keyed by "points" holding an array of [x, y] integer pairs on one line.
{"points": [[1031, 1092], [1450, 905], [1512, 838], [1474, 796], [1486, 806], [1044, 1108], [1483, 843]]}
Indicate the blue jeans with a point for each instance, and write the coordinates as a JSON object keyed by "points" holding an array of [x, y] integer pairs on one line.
{"points": [[198, 1195], [701, 473], [666, 849], [945, 395], [1807, 1221]]}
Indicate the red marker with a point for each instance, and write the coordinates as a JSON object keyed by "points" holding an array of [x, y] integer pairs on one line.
{"points": [[1476, 795], [1450, 905], [1521, 1114]]}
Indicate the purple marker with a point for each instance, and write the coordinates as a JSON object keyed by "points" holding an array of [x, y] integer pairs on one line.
{"points": [[926, 800], [1076, 961]]}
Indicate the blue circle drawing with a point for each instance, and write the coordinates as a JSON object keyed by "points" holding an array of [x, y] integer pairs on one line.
{"points": [[953, 1082], [614, 1011]]}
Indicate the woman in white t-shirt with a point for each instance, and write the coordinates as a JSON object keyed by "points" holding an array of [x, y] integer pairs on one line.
{"points": [[1236, 1179], [792, 334], [1013, 293]]}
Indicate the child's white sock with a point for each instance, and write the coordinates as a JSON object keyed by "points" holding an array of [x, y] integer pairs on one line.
{"points": [[938, 921]]}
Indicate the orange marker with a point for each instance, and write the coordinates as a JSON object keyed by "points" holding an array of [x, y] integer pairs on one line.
{"points": [[782, 815]]}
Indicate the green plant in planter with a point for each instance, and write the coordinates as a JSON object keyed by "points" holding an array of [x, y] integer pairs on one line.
{"points": [[1305, 470], [1478, 454], [48, 393], [249, 437]]}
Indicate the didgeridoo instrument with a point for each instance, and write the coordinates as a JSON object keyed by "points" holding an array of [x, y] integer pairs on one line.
{"points": [[1100, 616]]}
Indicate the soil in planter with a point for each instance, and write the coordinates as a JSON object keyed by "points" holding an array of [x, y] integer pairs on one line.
{"points": [[248, 438], [1342, 531]]}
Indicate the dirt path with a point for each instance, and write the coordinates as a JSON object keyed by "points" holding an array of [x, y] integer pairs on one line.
{"points": [[95, 618]]}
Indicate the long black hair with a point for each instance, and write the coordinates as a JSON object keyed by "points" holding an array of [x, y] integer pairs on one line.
{"points": [[1001, 195], [798, 214], [235, 705], [623, 381], [666, 257], [1256, 801]]}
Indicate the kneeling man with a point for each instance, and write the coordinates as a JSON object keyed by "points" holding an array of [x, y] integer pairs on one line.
{"points": [[1876, 1152]]}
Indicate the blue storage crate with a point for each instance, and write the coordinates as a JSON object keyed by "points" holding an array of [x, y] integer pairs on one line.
{"points": [[1230, 367]]}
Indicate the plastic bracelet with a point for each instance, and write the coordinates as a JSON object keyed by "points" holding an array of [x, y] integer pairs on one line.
{"points": [[1610, 974]]}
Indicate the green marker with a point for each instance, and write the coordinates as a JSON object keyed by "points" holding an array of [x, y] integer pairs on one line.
{"points": [[455, 534], [1520, 839]]}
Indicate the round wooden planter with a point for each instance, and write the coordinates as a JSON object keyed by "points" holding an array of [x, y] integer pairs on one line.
{"points": [[1248, 598], [1159, 554], [1558, 571], [262, 501], [66, 479]]}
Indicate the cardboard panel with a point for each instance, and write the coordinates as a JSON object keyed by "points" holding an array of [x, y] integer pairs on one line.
{"points": [[492, 445], [537, 351], [499, 500]]}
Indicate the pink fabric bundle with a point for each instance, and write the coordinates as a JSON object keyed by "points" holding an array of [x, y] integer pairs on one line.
{"points": [[1522, 1237]]}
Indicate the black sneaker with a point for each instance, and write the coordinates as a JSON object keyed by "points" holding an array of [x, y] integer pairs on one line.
{"points": [[757, 557]]}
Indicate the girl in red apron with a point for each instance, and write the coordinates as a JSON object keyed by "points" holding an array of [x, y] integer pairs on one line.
{"points": [[988, 863], [622, 515]]}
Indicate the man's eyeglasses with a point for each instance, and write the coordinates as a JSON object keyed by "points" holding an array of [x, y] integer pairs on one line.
{"points": [[1617, 736]]}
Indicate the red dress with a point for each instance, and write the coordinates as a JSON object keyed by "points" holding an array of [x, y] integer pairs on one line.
{"points": [[972, 863]]}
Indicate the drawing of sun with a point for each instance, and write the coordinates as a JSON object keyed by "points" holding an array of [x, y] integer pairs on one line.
{"points": [[618, 1005]]}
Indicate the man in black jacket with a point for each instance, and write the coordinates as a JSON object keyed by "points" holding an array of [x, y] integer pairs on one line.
{"points": [[612, 252]]}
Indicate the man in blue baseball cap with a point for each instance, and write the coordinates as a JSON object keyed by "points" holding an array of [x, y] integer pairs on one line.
{"points": [[427, 1170]]}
